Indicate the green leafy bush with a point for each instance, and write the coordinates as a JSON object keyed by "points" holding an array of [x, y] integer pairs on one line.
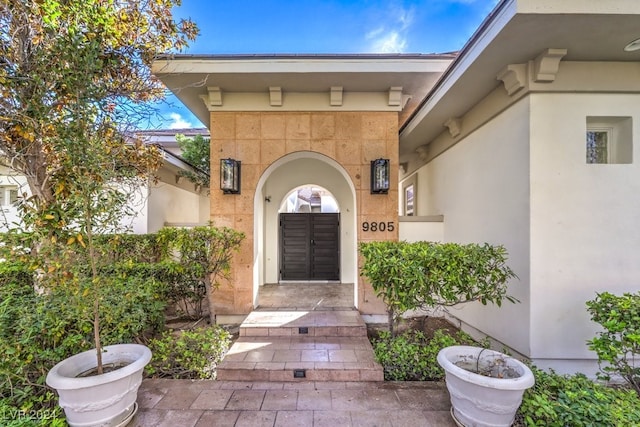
{"points": [[204, 254], [39, 330], [411, 356], [618, 345], [420, 275], [188, 354], [138, 276], [563, 400]]}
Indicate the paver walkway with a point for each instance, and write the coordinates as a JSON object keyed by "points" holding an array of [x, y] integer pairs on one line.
{"points": [[312, 328], [301, 346], [185, 403]]}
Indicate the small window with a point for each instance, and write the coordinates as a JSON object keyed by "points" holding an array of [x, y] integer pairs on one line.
{"points": [[8, 195], [609, 140], [13, 196], [598, 145]]}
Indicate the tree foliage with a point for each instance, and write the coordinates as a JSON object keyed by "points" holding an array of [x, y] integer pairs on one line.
{"points": [[196, 151], [76, 74], [409, 276], [74, 78]]}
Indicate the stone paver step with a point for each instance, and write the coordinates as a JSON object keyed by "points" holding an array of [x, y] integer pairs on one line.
{"points": [[300, 358], [340, 323], [301, 346]]}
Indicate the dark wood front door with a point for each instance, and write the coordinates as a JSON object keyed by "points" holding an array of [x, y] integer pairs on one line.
{"points": [[309, 246]]}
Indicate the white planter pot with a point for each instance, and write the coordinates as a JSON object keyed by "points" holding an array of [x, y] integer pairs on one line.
{"points": [[478, 400], [100, 400]]}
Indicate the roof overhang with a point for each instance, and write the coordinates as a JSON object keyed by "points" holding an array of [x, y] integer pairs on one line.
{"points": [[206, 83], [173, 166], [516, 32]]}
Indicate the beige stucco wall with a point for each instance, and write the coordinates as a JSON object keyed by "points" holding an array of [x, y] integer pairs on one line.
{"points": [[584, 224], [522, 180], [262, 141], [481, 187], [167, 204]]}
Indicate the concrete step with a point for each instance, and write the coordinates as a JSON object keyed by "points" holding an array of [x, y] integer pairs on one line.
{"points": [[343, 323], [301, 346]]}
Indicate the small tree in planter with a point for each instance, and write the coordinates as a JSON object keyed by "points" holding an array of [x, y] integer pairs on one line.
{"points": [[75, 76], [423, 275], [410, 276]]}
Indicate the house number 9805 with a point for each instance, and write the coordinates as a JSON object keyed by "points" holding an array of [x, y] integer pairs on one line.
{"points": [[378, 226]]}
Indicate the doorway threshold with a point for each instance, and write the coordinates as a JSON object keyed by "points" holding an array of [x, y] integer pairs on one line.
{"points": [[308, 282]]}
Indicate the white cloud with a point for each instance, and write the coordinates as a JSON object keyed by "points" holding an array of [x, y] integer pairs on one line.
{"points": [[177, 122], [391, 42], [391, 37]]}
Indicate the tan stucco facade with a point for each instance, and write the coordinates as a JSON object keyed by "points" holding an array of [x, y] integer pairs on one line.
{"points": [[347, 140]]}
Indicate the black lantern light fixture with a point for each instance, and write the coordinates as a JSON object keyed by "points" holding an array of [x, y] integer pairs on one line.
{"points": [[380, 176], [230, 176]]}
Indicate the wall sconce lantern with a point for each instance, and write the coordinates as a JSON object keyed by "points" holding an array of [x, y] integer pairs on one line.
{"points": [[230, 176], [380, 176]]}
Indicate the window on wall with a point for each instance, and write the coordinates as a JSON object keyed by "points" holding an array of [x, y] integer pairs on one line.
{"points": [[609, 140], [8, 195]]}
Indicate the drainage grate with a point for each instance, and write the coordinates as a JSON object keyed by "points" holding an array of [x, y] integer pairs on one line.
{"points": [[299, 373], [303, 330]]}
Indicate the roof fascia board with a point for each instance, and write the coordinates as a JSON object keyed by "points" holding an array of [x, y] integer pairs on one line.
{"points": [[292, 65], [486, 33], [617, 7], [179, 162]]}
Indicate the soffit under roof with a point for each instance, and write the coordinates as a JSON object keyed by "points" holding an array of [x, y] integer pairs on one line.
{"points": [[189, 76], [517, 32]]}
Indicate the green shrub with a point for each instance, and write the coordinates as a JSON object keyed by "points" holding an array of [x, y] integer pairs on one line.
{"points": [[12, 272], [205, 254], [419, 275], [619, 343], [188, 354], [39, 330], [411, 356], [562, 400]]}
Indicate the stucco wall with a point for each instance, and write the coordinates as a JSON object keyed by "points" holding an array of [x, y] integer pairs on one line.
{"points": [[584, 222], [258, 140], [169, 204], [481, 187]]}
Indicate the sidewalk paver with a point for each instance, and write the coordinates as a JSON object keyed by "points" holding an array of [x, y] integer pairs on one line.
{"points": [[187, 403]]}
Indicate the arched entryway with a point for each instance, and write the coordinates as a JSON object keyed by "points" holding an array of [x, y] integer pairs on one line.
{"points": [[275, 186], [309, 236]]}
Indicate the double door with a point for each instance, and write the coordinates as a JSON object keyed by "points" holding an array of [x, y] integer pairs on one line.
{"points": [[310, 246]]}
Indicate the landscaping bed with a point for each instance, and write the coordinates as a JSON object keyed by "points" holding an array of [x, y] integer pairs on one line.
{"points": [[555, 400]]}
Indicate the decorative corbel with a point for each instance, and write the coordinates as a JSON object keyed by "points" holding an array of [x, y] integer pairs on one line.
{"points": [[404, 167], [423, 152], [335, 96], [179, 179], [275, 96], [546, 65], [395, 96], [514, 77], [455, 126], [214, 98]]}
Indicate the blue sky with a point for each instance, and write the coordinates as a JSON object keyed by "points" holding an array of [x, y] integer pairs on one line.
{"points": [[324, 26]]}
